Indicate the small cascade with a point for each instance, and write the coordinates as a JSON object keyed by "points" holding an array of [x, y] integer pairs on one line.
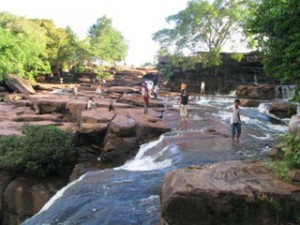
{"points": [[264, 108], [298, 109], [285, 92], [232, 93], [255, 80], [152, 156]]}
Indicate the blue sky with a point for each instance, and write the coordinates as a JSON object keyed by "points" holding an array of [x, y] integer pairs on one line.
{"points": [[136, 19]]}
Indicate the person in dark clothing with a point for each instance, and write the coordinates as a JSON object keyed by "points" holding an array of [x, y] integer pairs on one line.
{"points": [[183, 105]]}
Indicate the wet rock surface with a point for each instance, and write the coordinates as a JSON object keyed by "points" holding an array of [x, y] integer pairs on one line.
{"points": [[260, 91], [231, 192], [283, 109], [102, 135], [294, 127]]}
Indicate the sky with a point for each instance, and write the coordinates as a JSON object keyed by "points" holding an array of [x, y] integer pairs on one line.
{"points": [[137, 20]]}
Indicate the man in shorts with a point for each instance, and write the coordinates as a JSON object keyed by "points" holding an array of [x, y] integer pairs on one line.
{"points": [[235, 120], [183, 105]]}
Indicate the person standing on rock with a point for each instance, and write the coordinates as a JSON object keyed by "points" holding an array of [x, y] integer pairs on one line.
{"points": [[182, 87], [98, 91], [91, 104], [183, 105], [235, 120], [202, 88], [146, 102], [76, 90]]}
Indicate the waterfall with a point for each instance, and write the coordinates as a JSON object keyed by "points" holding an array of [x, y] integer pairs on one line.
{"points": [[255, 80], [263, 108], [285, 92], [154, 155]]}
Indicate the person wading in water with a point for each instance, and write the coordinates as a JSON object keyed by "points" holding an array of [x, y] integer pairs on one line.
{"points": [[235, 120]]}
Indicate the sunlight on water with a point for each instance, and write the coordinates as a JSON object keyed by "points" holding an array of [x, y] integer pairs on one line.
{"points": [[151, 156], [263, 108], [267, 137], [147, 163]]}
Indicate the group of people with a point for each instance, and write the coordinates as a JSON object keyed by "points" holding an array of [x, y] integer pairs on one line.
{"points": [[235, 119]]}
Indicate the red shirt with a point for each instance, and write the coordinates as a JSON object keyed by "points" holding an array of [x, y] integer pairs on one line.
{"points": [[146, 98]]}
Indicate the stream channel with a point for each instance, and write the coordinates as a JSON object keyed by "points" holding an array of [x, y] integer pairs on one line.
{"points": [[129, 195]]}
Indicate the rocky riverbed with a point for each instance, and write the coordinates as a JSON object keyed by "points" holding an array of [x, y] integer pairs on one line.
{"points": [[129, 194]]}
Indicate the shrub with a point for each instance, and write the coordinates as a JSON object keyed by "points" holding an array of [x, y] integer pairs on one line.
{"points": [[290, 146], [41, 151]]}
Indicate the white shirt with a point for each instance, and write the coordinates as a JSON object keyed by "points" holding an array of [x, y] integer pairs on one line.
{"points": [[234, 118], [90, 104]]}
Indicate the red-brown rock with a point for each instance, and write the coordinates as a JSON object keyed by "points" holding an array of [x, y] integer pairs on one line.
{"points": [[97, 116], [137, 101], [25, 196], [18, 84], [122, 126], [118, 150], [283, 109], [261, 91], [249, 102], [231, 192], [294, 127]]}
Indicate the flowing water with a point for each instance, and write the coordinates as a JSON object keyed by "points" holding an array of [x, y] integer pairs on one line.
{"points": [[129, 195]]}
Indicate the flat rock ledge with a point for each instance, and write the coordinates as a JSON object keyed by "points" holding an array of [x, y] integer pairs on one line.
{"points": [[228, 193]]}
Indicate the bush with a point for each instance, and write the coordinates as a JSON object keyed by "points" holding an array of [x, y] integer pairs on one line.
{"points": [[41, 151], [290, 146]]}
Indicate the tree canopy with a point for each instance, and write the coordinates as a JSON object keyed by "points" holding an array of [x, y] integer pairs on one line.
{"points": [[107, 43], [30, 47], [205, 26], [22, 43], [277, 26]]}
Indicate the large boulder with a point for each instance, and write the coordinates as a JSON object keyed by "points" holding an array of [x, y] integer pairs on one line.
{"points": [[101, 115], [249, 102], [294, 127], [18, 84], [46, 105], [118, 150], [137, 101], [231, 192], [24, 197], [122, 126], [122, 89], [261, 91], [283, 109], [5, 179], [75, 108], [147, 130]]}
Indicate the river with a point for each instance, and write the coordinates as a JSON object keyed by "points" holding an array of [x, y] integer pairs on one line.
{"points": [[129, 195]]}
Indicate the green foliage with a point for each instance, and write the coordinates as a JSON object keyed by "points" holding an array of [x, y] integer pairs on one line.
{"points": [[290, 146], [237, 56], [291, 149], [41, 151], [107, 43], [102, 73], [277, 26], [22, 42], [205, 26], [173, 62]]}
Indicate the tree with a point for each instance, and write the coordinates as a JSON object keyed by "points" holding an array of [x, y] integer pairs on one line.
{"points": [[60, 45], [22, 43], [107, 43], [277, 26], [205, 26]]}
